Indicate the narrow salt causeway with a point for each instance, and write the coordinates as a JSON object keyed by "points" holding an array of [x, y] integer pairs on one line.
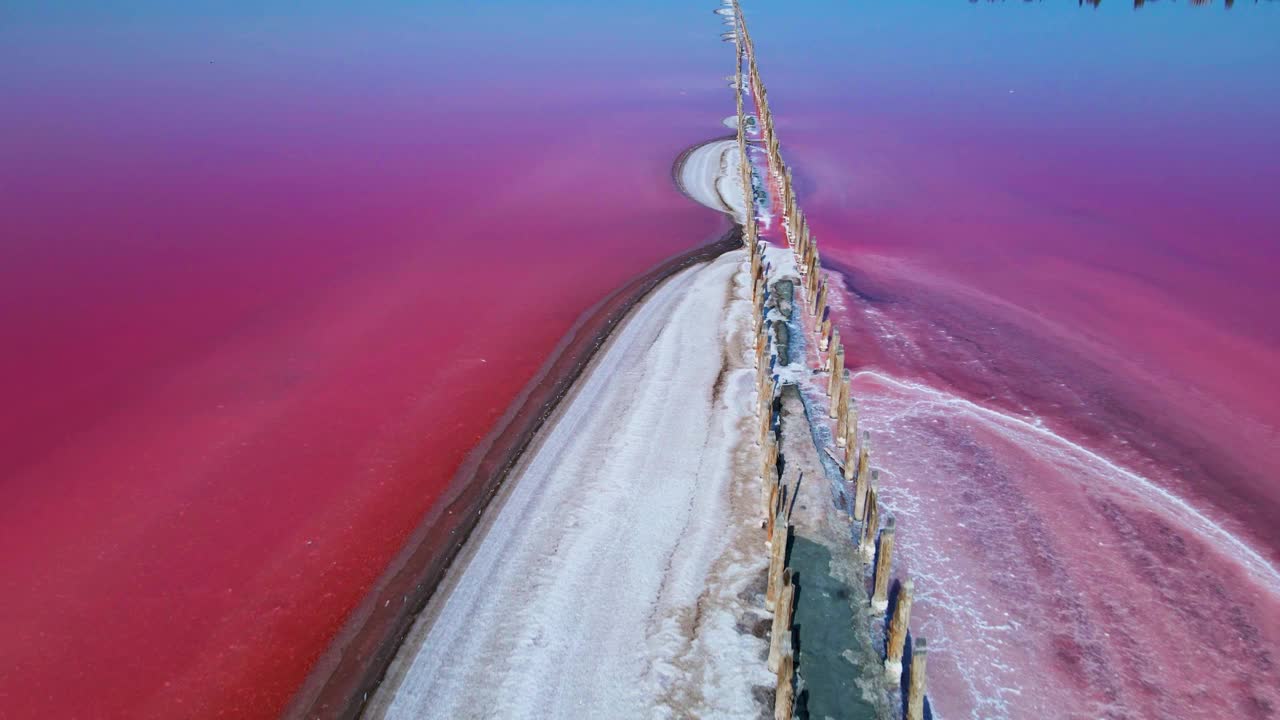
{"points": [[616, 575]]}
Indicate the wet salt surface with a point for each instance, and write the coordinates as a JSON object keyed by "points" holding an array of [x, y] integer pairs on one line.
{"points": [[1054, 577]]}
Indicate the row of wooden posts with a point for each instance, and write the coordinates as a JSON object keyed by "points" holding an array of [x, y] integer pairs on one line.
{"points": [[842, 408]]}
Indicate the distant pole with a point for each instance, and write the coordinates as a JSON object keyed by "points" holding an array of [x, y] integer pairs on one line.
{"points": [[916, 690], [898, 632]]}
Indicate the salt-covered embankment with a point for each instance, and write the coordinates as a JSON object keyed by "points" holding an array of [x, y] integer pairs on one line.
{"points": [[351, 669], [614, 576]]}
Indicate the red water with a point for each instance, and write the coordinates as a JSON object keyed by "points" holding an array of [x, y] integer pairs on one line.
{"points": [[1058, 300], [266, 277]]}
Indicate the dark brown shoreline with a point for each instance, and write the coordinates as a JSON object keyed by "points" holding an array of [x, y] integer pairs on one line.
{"points": [[346, 675]]}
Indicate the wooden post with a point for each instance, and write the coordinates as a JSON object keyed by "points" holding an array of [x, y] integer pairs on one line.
{"points": [[774, 577], [880, 599], [784, 703], [864, 460], [781, 620], [820, 303], [837, 372], [838, 402], [768, 468], [870, 527], [860, 495], [766, 395], [898, 632], [915, 692], [770, 515], [852, 440], [842, 412], [777, 563]]}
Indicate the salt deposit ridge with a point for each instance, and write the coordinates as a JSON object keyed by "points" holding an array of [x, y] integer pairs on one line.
{"points": [[606, 581], [610, 576]]}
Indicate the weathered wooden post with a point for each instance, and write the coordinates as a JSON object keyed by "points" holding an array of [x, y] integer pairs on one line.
{"points": [[880, 599], [860, 495], [842, 411], [870, 527], [785, 699], [838, 400], [864, 460], [829, 364], [781, 620], [768, 467], [770, 516], [852, 440], [824, 331], [916, 690], [898, 632], [820, 303], [777, 560], [837, 372]]}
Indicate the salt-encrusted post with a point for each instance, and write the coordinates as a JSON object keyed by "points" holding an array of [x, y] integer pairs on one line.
{"points": [[781, 620], [837, 372], [824, 331], [768, 470], [852, 440], [880, 599], [777, 561], [915, 692], [898, 632], [784, 702]]}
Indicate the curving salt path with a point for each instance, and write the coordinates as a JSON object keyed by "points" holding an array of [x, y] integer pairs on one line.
{"points": [[709, 175], [606, 581]]}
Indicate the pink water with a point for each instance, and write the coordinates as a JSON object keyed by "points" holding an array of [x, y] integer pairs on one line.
{"points": [[266, 276], [1057, 240]]}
